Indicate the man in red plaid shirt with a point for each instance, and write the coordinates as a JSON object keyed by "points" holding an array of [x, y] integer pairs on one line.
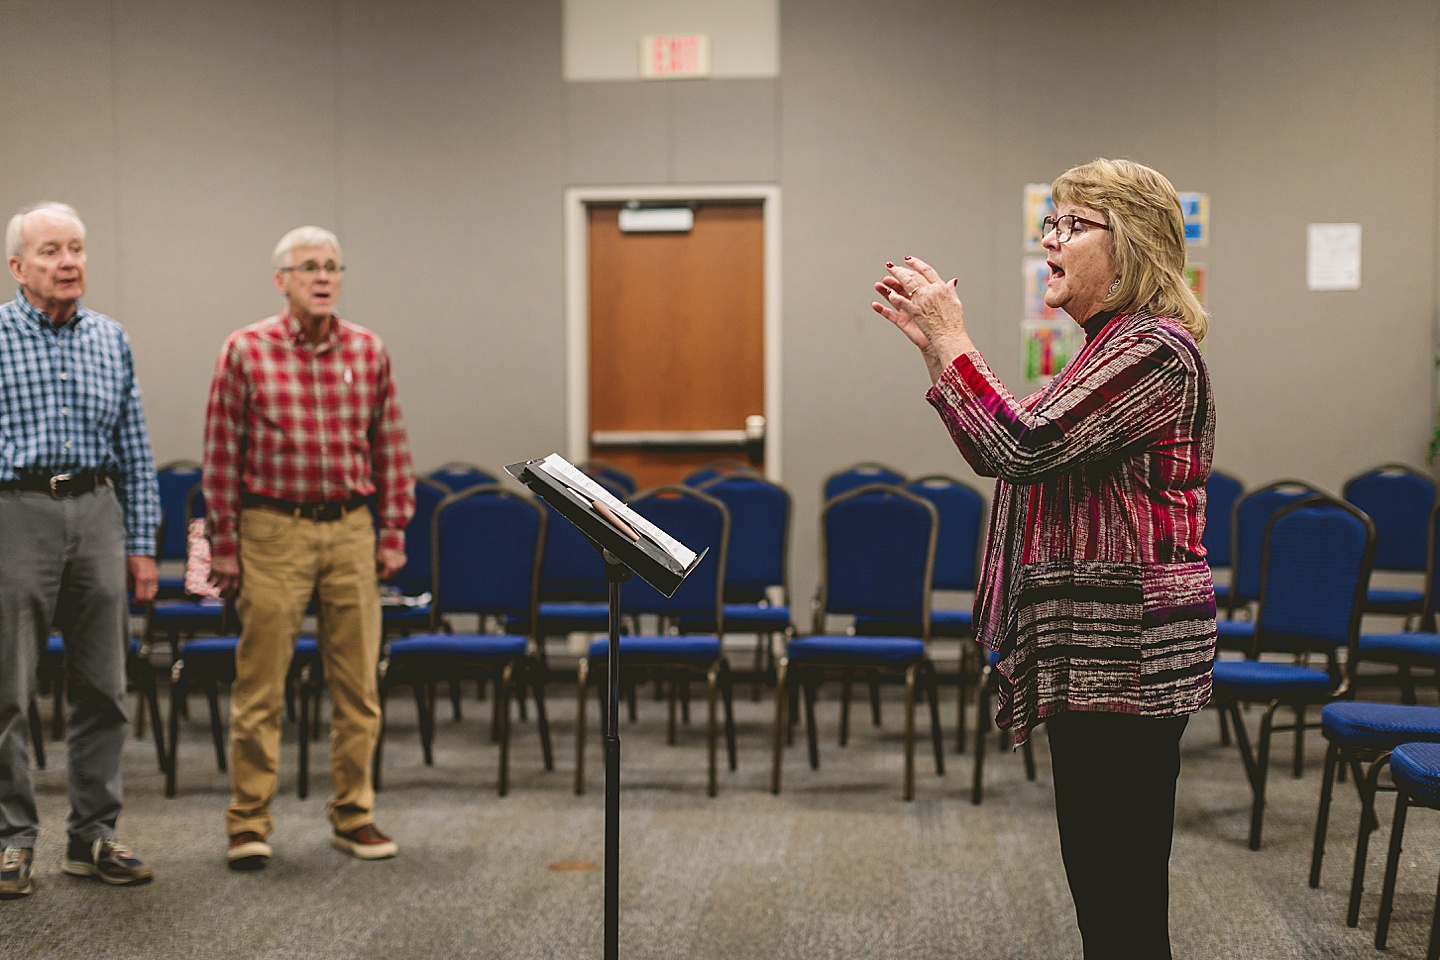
{"points": [[301, 427]]}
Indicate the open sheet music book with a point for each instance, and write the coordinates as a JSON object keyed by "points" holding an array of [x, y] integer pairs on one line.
{"points": [[658, 558], [590, 492]]}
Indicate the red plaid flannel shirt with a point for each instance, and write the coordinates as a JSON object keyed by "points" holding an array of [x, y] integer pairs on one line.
{"points": [[305, 422]]}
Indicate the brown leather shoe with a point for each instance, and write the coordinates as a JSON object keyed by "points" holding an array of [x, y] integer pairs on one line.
{"points": [[366, 842], [248, 851]]}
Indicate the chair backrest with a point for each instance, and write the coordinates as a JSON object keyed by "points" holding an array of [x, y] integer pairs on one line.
{"points": [[1221, 492], [176, 478], [1432, 588], [759, 548], [415, 576], [713, 470], [962, 516], [697, 520], [1315, 571], [1398, 500], [877, 553], [860, 475], [609, 475], [486, 546], [1247, 537], [456, 476], [572, 568]]}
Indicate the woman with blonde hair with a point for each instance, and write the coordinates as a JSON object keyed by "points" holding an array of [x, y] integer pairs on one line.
{"points": [[1095, 595]]}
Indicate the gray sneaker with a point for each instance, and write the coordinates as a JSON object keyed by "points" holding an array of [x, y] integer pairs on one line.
{"points": [[107, 859], [15, 864]]}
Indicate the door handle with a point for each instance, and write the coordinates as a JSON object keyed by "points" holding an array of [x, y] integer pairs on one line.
{"points": [[753, 433]]}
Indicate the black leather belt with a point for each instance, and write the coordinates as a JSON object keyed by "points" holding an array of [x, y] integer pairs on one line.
{"points": [[59, 484], [320, 511]]}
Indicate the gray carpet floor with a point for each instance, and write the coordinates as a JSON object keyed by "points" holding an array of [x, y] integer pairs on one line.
{"points": [[836, 866]]}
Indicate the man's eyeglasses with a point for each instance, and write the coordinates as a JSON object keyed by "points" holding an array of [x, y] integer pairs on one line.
{"points": [[310, 268], [1064, 227]]}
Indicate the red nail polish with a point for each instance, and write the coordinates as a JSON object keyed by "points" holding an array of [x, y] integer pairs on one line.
{"points": [[909, 258], [889, 264]]}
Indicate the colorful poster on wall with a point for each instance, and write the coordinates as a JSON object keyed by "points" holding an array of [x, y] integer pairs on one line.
{"points": [[1196, 209], [1195, 276], [1048, 345], [1036, 272], [1035, 206]]}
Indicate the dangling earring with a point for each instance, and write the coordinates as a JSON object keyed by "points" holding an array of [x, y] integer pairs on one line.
{"points": [[1115, 287]]}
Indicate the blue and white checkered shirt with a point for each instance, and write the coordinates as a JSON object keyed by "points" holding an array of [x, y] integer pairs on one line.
{"points": [[69, 402]]}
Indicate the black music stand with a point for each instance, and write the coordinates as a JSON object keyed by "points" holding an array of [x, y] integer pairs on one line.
{"points": [[620, 537]]}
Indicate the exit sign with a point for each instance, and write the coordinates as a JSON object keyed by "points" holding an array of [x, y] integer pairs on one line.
{"points": [[676, 55]]}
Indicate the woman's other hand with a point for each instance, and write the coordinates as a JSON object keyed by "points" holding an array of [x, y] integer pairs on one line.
{"points": [[927, 310]]}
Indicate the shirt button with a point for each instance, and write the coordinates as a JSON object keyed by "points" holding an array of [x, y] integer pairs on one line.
{"points": [[64, 411], [67, 444], [64, 375]]}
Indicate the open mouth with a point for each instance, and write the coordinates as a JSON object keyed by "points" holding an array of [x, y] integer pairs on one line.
{"points": [[1056, 272]]}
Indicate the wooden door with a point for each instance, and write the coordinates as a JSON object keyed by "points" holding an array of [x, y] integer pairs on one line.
{"points": [[677, 342]]}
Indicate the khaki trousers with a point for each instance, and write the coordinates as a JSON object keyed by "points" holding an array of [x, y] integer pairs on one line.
{"points": [[283, 560]]}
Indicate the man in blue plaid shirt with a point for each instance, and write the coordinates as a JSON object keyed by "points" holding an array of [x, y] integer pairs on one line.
{"points": [[79, 507]]}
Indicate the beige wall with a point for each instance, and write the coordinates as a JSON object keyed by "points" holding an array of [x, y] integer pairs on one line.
{"points": [[437, 138]]}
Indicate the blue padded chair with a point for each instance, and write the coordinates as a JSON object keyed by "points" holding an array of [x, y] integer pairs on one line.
{"points": [[1415, 768], [1314, 570], [861, 474], [1362, 733], [1399, 501], [609, 475], [701, 522], [176, 479], [184, 615], [878, 556], [1221, 493], [487, 547], [957, 561], [458, 475], [757, 560], [1247, 539], [1409, 650]]}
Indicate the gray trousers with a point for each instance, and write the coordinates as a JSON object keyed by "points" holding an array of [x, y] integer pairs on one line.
{"points": [[62, 565]]}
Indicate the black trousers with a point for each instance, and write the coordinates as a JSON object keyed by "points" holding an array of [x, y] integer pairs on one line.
{"points": [[1115, 805]]}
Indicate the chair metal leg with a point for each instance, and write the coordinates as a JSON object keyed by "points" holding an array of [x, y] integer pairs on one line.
{"points": [[1322, 816], [727, 699], [1392, 867], [1299, 740], [217, 729], [808, 687], [982, 727], [909, 792], [846, 683], [177, 700], [1027, 750], [1224, 726], [782, 723], [503, 691], [672, 732], [1369, 787], [425, 712], [1262, 764], [712, 683], [875, 701], [384, 688]]}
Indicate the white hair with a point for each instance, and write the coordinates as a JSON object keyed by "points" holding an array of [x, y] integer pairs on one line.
{"points": [[299, 239], [15, 232]]}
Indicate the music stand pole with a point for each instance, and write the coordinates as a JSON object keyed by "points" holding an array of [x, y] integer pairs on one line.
{"points": [[616, 573]]}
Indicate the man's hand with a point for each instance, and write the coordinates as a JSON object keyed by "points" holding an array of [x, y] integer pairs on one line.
{"points": [[225, 574], [388, 562], [142, 576]]}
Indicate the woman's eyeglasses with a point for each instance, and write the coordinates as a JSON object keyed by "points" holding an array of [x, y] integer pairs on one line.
{"points": [[1064, 227]]}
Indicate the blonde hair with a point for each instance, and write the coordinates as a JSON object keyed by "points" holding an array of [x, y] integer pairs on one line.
{"points": [[15, 232], [1147, 237], [302, 238]]}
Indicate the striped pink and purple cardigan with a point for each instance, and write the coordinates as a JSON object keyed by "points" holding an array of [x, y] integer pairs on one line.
{"points": [[1095, 593]]}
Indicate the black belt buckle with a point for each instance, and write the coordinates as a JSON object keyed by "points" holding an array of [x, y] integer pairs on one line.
{"points": [[327, 512], [60, 485]]}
